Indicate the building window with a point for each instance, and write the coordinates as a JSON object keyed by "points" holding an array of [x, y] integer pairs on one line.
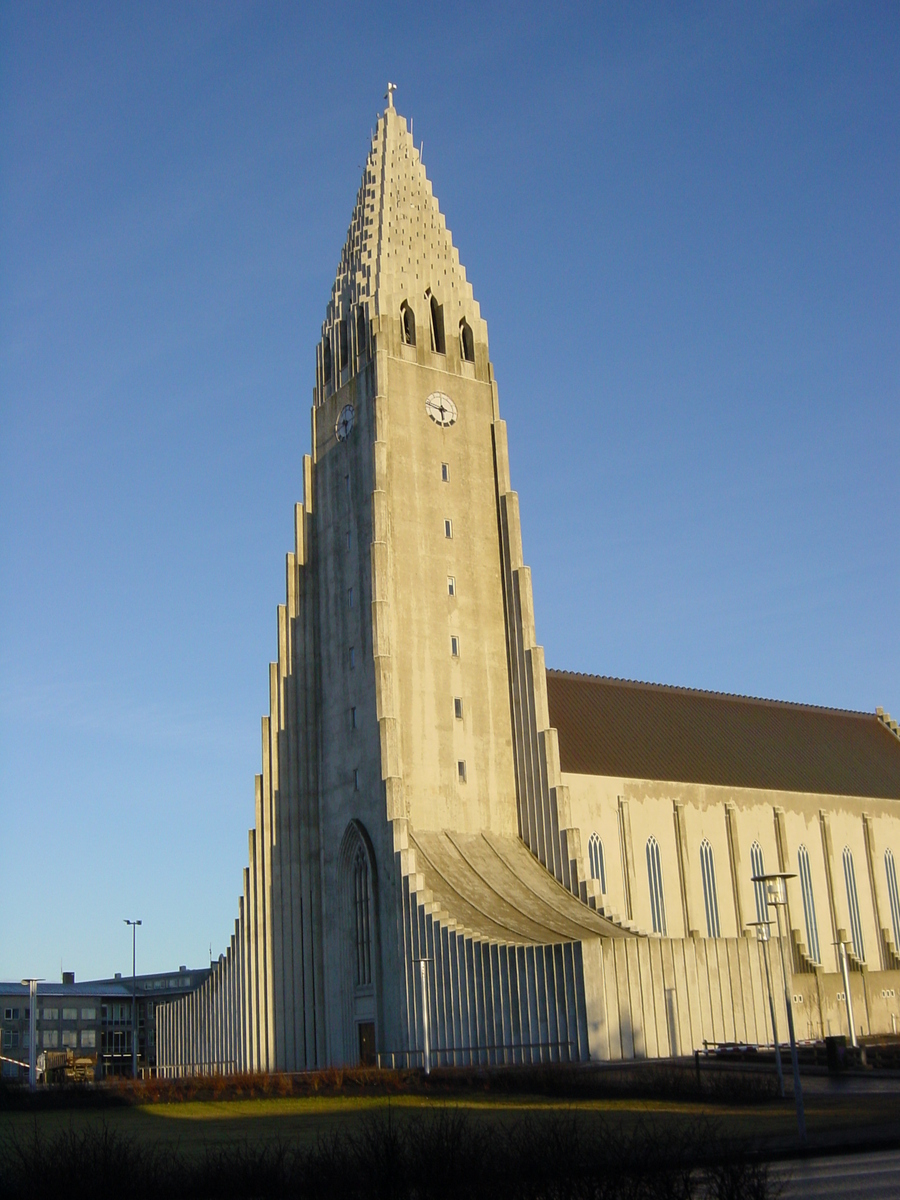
{"points": [[89, 1014], [451, 585], [596, 860], [461, 771], [70, 1038], [437, 325], [349, 597], [326, 359], [363, 935], [352, 718], [466, 341], [356, 779], [758, 867], [710, 900], [50, 1038], [352, 657], [809, 904], [457, 708], [10, 1039], [10, 1014], [347, 484], [853, 905], [445, 472], [88, 1039], [454, 646], [448, 528], [361, 332], [407, 325], [70, 1014], [49, 1014], [657, 896], [891, 869]]}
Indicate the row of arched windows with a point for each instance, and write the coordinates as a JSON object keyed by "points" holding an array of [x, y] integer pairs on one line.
{"points": [[597, 865], [343, 345], [436, 329]]}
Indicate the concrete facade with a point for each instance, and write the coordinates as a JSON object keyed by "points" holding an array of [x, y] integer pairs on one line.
{"points": [[412, 804]]}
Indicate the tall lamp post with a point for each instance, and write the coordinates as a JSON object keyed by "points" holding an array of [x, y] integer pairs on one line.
{"points": [[776, 895], [763, 933], [32, 1031], [845, 975], [134, 1022]]}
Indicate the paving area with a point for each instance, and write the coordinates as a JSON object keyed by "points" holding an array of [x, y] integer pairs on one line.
{"points": [[873, 1176]]}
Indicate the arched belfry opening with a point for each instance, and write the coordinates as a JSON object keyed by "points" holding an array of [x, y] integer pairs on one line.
{"points": [[438, 345], [326, 359], [359, 950], [466, 341], [407, 325], [361, 332]]}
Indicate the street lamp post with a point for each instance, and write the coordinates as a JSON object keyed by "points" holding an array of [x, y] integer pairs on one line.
{"points": [[763, 930], [134, 1023], [845, 975], [426, 1040], [32, 1032], [776, 895]]}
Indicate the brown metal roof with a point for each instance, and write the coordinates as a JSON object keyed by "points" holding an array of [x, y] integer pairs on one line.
{"points": [[648, 731]]}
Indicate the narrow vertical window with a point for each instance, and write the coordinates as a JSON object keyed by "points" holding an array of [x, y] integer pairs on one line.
{"points": [[437, 325], [363, 935], [352, 658], [356, 779], [461, 771], [347, 483], [809, 904], [349, 597], [448, 528], [457, 708], [348, 539], [893, 896], [445, 472], [466, 342], [853, 905], [454, 646], [710, 899], [407, 325], [344, 344], [596, 861], [657, 897], [758, 867], [352, 718], [451, 585], [361, 338], [326, 359]]}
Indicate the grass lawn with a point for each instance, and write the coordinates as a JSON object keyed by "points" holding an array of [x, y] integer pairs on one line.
{"points": [[193, 1125]]}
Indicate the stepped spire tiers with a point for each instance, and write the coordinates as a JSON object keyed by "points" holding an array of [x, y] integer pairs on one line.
{"points": [[435, 874]]}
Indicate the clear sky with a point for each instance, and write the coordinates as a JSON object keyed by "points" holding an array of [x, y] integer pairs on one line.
{"points": [[682, 222]]}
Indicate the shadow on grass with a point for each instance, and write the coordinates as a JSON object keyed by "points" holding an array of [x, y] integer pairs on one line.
{"points": [[433, 1158]]}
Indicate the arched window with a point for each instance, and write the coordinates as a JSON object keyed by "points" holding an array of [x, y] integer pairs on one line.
{"points": [[891, 868], [596, 860], [466, 341], [437, 325], [657, 897], [758, 867], [710, 900], [361, 328], [853, 905], [363, 936], [809, 904], [326, 359], [407, 325]]}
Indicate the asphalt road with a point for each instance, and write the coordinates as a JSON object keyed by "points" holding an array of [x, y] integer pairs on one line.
{"points": [[869, 1176]]}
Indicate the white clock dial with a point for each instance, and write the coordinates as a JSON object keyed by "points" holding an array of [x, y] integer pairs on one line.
{"points": [[344, 423], [441, 409]]}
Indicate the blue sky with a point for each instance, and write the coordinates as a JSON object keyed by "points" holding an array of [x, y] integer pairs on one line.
{"points": [[681, 222]]}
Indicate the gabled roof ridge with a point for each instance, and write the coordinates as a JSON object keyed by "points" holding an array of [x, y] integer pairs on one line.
{"points": [[734, 696]]}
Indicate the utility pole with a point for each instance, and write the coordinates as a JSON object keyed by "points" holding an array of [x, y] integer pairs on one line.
{"points": [[845, 975], [134, 1021]]}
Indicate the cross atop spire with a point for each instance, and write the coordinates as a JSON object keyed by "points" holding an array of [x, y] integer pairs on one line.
{"points": [[389, 94]]}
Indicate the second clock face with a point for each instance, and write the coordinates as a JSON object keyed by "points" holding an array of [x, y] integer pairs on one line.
{"points": [[344, 423], [441, 409]]}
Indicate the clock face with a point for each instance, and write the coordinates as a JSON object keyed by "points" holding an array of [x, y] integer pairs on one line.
{"points": [[344, 423], [441, 409]]}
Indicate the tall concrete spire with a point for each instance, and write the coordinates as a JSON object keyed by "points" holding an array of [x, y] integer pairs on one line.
{"points": [[398, 246]]}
